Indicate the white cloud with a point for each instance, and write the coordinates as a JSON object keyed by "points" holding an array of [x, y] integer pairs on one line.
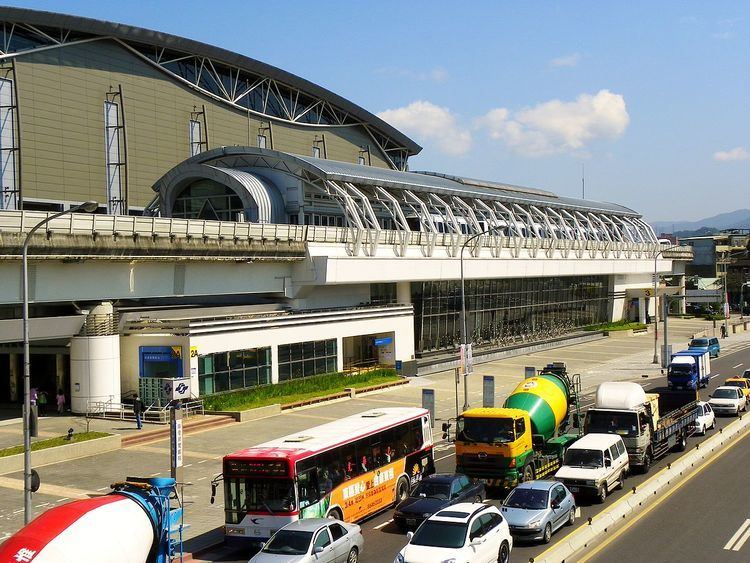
{"points": [[437, 74], [556, 127], [723, 35], [566, 60], [737, 153], [427, 121]]}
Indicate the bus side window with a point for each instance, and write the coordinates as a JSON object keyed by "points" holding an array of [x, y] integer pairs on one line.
{"points": [[308, 488]]}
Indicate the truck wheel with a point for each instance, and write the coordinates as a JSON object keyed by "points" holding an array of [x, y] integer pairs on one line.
{"points": [[646, 462], [601, 495], [528, 472], [681, 445]]}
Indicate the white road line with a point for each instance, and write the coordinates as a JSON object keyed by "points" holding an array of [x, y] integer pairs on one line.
{"points": [[714, 376], [188, 465], [63, 499], [742, 540], [737, 366], [203, 461], [102, 488], [201, 478], [742, 529], [154, 475], [445, 457], [384, 524]]}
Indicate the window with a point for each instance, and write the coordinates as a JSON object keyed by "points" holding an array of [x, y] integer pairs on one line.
{"points": [[305, 359], [476, 529], [237, 369], [261, 141], [337, 531], [464, 482], [323, 539], [489, 521], [520, 427], [8, 146], [209, 200], [361, 160], [316, 152], [196, 136], [112, 128]]}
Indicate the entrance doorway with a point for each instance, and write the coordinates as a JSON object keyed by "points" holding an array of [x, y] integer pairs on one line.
{"points": [[369, 350]]}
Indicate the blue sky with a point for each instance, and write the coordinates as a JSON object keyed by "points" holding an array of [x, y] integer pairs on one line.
{"points": [[651, 97]]}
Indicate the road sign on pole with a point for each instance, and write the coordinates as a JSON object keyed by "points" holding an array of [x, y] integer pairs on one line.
{"points": [[175, 442], [428, 402]]}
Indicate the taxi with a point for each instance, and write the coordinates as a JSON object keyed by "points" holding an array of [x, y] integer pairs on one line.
{"points": [[740, 382]]}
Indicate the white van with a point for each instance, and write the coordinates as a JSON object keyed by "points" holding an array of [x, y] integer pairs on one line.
{"points": [[595, 464]]}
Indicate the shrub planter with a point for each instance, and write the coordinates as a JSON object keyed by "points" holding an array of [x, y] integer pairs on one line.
{"points": [[56, 454]]}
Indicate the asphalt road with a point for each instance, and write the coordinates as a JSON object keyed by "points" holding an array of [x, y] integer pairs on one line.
{"points": [[383, 539]]}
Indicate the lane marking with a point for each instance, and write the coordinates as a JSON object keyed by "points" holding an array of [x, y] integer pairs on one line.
{"points": [[384, 524], [63, 499], [742, 541], [717, 375], [737, 366], [445, 456], [655, 504], [743, 529]]}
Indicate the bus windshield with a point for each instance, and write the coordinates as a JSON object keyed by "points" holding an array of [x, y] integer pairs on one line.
{"points": [[253, 494], [485, 430]]}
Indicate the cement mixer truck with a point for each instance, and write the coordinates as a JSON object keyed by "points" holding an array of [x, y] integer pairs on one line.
{"points": [[526, 439], [140, 521]]}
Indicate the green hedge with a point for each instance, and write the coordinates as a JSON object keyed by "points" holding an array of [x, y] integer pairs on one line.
{"points": [[714, 317], [617, 325], [52, 442], [295, 390]]}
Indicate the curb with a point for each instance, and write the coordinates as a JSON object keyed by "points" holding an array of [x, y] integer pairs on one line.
{"points": [[187, 428], [65, 452], [589, 535]]}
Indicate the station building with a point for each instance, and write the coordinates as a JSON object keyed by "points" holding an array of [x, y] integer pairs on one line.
{"points": [[255, 227]]}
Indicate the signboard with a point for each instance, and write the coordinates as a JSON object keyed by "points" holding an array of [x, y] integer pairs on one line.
{"points": [[175, 443], [466, 359], [703, 296], [176, 388], [428, 402], [529, 371], [383, 341], [488, 391]]}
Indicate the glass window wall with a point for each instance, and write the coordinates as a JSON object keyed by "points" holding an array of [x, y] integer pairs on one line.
{"points": [[303, 359], [238, 369]]}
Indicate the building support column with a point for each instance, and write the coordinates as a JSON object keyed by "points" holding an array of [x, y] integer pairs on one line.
{"points": [[403, 292], [275, 363], [642, 309], [682, 304], [15, 377], [59, 371]]}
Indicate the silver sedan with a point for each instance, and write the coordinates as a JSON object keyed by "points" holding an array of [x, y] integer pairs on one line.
{"points": [[536, 509], [313, 540]]}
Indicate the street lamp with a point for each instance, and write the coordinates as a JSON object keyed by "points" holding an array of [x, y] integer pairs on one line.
{"points": [[464, 333], [656, 305], [86, 207]]}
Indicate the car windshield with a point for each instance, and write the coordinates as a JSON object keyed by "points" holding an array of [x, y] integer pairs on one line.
{"points": [[289, 542], [434, 533], [534, 499], [609, 422], [268, 495], [486, 430], [431, 489], [725, 394], [583, 458], [698, 343]]}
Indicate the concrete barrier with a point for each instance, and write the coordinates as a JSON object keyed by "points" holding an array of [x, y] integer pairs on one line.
{"points": [[13, 463], [250, 414], [604, 524]]}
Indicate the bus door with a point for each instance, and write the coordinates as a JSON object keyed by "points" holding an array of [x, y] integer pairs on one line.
{"points": [[310, 495], [427, 431]]}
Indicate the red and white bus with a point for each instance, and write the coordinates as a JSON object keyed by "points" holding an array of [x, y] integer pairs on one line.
{"points": [[347, 469]]}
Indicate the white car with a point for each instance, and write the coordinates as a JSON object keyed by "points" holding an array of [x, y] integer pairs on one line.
{"points": [[706, 418], [462, 533], [728, 400]]}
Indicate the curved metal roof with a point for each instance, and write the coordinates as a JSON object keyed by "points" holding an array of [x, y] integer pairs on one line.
{"points": [[237, 156], [148, 36]]}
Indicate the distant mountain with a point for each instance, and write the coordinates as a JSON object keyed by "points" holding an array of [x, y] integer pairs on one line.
{"points": [[739, 219]]}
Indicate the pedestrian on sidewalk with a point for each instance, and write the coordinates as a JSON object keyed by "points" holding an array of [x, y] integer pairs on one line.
{"points": [[60, 398], [138, 410], [723, 330], [42, 401]]}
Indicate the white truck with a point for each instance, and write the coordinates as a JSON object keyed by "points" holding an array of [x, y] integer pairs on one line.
{"points": [[650, 423]]}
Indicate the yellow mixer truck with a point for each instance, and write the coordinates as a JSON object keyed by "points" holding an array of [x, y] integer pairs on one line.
{"points": [[526, 438]]}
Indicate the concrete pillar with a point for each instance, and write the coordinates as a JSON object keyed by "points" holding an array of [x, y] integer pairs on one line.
{"points": [[682, 304], [340, 353], [94, 371], [642, 309], [60, 372], [403, 292], [15, 377], [274, 364]]}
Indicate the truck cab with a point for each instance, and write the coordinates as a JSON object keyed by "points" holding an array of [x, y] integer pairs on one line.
{"points": [[493, 444], [689, 369]]}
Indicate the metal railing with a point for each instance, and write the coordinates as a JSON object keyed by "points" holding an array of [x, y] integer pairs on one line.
{"points": [[196, 229], [112, 410]]}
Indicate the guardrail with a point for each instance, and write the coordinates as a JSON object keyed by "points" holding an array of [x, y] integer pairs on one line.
{"points": [[112, 410], [366, 240]]}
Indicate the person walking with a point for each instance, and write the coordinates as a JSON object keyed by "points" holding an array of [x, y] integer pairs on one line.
{"points": [[42, 402], [60, 398], [138, 410]]}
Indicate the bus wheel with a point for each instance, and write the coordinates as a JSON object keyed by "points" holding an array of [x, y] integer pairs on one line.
{"points": [[335, 514], [402, 489]]}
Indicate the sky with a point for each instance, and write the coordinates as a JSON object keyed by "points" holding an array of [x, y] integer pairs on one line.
{"points": [[648, 101]]}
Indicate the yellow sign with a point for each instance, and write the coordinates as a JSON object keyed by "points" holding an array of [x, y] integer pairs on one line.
{"points": [[193, 351]]}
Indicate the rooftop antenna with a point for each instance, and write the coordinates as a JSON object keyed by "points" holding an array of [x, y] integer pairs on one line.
{"points": [[583, 181]]}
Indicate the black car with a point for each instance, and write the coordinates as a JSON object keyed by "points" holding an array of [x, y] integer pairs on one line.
{"points": [[434, 493]]}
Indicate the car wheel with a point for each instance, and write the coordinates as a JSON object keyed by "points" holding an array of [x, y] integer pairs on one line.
{"points": [[402, 489], [621, 481], [335, 514], [547, 537], [601, 494], [572, 516], [528, 472], [353, 556], [503, 556], [713, 424]]}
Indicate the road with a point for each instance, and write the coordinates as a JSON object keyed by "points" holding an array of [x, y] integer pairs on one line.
{"points": [[381, 532]]}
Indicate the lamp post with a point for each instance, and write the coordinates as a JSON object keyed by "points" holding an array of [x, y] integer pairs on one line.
{"points": [[87, 207], [656, 305], [464, 332]]}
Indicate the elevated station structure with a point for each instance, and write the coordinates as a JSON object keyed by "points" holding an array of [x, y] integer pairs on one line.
{"points": [[256, 228]]}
